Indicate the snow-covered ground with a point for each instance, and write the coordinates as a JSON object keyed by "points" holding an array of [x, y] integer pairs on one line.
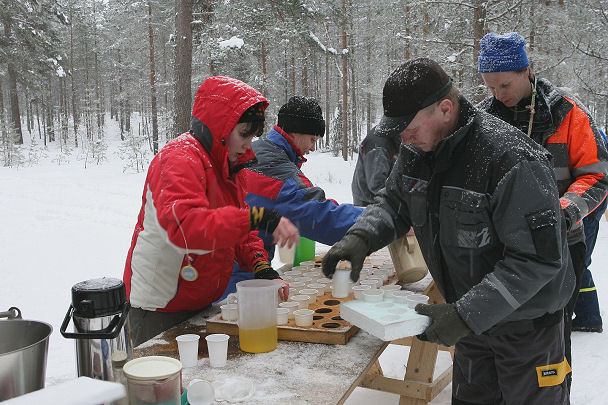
{"points": [[61, 224]]}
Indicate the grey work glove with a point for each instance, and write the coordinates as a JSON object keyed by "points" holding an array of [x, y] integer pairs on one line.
{"points": [[352, 247], [447, 327]]}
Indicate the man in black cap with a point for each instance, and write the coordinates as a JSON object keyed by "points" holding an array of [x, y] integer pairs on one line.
{"points": [[484, 205], [277, 182]]}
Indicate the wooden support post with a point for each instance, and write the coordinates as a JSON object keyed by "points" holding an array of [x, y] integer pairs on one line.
{"points": [[418, 386]]}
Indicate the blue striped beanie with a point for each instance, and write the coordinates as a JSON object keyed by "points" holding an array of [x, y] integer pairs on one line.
{"points": [[502, 53]]}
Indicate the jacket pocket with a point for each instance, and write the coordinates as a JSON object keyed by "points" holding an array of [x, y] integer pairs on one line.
{"points": [[465, 219], [542, 227], [415, 191]]}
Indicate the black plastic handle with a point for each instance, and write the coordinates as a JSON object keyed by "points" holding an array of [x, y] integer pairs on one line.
{"points": [[109, 332]]}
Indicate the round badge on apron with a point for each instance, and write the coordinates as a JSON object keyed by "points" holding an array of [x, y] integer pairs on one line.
{"points": [[189, 273]]}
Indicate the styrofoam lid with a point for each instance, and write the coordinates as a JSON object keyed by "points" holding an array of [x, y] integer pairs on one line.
{"points": [[152, 367]]}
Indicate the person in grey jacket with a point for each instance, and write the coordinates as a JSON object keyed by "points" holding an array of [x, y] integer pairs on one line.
{"points": [[377, 154], [483, 202]]}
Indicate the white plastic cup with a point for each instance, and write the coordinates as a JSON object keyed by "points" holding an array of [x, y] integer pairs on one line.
{"points": [[291, 306], [282, 316], [304, 279], [230, 312], [373, 284], [296, 285], [303, 317], [232, 298], [374, 295], [400, 296], [187, 346], [320, 287], [309, 264], [341, 283], [391, 287], [359, 289], [311, 292], [378, 279], [217, 346], [200, 392], [415, 299], [302, 301], [287, 254]]}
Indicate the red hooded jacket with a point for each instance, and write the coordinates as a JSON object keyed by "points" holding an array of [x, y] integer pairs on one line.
{"points": [[194, 222]]}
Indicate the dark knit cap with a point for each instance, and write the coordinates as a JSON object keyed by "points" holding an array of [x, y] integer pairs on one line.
{"points": [[302, 115], [502, 53], [414, 85], [254, 113]]}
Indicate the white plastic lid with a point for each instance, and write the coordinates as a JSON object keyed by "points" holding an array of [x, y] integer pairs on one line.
{"points": [[152, 367]]}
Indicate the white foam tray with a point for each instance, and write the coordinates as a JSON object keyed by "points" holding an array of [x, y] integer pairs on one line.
{"points": [[386, 320]]}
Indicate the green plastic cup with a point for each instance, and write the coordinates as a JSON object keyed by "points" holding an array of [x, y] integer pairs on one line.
{"points": [[304, 251]]}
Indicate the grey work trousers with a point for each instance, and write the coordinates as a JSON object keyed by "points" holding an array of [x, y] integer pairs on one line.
{"points": [[525, 368]]}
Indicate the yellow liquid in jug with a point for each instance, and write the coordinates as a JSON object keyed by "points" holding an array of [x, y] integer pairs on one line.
{"points": [[258, 340]]}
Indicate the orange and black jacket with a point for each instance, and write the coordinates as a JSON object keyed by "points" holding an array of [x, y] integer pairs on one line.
{"points": [[580, 161]]}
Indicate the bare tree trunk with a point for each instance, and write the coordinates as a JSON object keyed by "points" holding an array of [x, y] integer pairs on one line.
{"points": [[408, 33], [305, 75], [50, 127], [2, 114], [293, 70], [73, 85], [532, 32], [479, 19], [152, 83], [264, 73], [38, 122], [182, 97], [98, 95], [344, 86], [14, 99], [327, 112]]}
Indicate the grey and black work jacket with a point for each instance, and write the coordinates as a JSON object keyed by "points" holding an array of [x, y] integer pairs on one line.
{"points": [[485, 209], [377, 155]]}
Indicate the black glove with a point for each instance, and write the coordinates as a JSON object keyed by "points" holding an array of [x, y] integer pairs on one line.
{"points": [[263, 270], [447, 327], [569, 214], [263, 218], [352, 247]]}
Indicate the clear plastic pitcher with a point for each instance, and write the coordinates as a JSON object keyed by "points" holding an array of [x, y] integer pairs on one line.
{"points": [[258, 301]]}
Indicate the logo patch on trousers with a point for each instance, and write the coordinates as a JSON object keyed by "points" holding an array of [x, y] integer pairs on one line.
{"points": [[548, 373], [551, 375]]}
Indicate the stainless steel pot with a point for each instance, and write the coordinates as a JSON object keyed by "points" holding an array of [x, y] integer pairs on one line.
{"points": [[23, 352]]}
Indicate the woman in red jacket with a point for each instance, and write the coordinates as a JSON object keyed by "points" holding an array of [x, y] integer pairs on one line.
{"points": [[194, 222]]}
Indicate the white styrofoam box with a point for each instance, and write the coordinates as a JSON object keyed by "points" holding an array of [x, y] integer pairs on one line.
{"points": [[386, 320], [80, 391]]}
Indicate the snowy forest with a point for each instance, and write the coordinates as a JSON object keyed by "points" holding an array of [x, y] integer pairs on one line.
{"points": [[68, 66]]}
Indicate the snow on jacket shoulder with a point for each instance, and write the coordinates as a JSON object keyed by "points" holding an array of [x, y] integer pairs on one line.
{"points": [[277, 182], [484, 206], [193, 210]]}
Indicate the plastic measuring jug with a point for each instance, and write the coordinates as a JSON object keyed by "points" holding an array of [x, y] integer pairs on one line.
{"points": [[258, 301]]}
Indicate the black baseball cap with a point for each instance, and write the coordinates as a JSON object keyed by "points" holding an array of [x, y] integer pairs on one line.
{"points": [[414, 85]]}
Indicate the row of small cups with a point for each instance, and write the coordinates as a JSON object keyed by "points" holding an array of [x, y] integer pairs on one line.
{"points": [[390, 292], [286, 311]]}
